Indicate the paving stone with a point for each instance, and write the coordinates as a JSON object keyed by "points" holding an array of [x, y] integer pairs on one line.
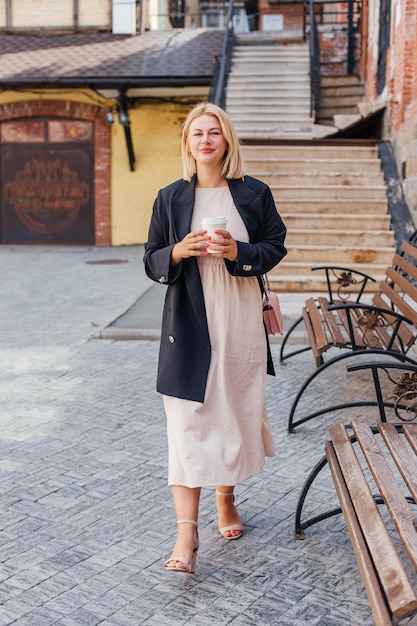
{"points": [[86, 517]]}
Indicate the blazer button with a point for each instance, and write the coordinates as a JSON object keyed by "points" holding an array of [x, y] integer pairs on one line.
{"points": [[162, 280], [171, 339], [247, 268]]}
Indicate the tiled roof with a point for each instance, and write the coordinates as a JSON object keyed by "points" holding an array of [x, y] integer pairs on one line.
{"points": [[156, 56]]}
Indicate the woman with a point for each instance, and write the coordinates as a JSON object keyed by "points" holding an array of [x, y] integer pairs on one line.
{"points": [[214, 354]]}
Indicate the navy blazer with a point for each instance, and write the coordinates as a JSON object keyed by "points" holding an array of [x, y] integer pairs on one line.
{"points": [[184, 356]]}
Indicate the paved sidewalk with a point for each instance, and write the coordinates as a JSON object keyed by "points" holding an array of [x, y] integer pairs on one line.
{"points": [[86, 518]]}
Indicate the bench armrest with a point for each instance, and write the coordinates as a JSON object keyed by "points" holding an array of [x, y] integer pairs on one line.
{"points": [[371, 307], [339, 279], [350, 307]]}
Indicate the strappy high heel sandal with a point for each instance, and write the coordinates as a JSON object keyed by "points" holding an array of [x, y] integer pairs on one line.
{"points": [[189, 566], [231, 527]]}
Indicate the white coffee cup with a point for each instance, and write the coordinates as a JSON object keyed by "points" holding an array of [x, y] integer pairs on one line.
{"points": [[210, 224]]}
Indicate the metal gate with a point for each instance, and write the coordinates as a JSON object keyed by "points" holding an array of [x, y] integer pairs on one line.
{"points": [[46, 181]]}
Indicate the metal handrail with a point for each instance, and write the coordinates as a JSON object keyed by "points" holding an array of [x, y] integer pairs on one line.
{"points": [[315, 81], [218, 90], [333, 14]]}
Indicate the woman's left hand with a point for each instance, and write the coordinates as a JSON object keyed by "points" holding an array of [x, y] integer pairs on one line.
{"points": [[224, 245]]}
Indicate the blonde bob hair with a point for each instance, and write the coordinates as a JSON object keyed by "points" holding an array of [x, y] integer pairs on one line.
{"points": [[233, 166]]}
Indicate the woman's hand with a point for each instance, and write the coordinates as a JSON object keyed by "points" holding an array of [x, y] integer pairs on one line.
{"points": [[193, 244], [224, 245]]}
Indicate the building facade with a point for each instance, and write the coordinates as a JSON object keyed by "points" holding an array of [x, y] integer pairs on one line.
{"points": [[90, 118]]}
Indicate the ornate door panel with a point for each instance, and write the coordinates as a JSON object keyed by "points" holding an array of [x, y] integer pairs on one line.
{"points": [[47, 182]]}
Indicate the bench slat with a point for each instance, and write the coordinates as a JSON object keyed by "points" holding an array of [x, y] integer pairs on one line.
{"points": [[366, 566], [336, 334], [399, 592], [408, 248], [404, 264], [311, 338], [399, 509], [402, 456], [405, 334], [396, 296], [410, 431], [315, 329]]}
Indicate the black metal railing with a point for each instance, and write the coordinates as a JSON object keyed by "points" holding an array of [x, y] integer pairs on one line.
{"points": [[314, 49], [217, 93], [342, 16]]}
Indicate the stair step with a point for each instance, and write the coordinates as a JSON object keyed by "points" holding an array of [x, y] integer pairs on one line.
{"points": [[249, 108], [332, 221], [328, 192], [347, 101], [332, 237], [249, 98], [342, 92], [312, 282], [260, 168], [271, 50], [277, 59], [274, 118], [325, 206], [279, 134], [277, 73], [281, 38], [340, 81], [323, 178], [317, 255], [312, 152]]}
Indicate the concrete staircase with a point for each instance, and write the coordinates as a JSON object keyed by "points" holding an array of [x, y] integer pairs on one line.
{"points": [[333, 200], [340, 96], [268, 88]]}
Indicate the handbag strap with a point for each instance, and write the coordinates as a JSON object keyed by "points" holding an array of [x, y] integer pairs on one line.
{"points": [[265, 285]]}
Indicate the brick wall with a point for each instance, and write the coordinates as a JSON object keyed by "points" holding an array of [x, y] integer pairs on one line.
{"points": [[291, 12], [401, 94], [83, 111]]}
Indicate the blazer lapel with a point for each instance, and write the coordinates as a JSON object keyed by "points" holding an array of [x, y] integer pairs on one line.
{"points": [[182, 205]]}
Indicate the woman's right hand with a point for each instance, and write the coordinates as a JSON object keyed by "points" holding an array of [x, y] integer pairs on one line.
{"points": [[193, 244]]}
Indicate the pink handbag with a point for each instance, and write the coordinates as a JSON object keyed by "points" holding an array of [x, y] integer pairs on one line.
{"points": [[271, 310]]}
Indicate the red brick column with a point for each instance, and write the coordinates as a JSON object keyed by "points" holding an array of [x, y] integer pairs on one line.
{"points": [[82, 111]]}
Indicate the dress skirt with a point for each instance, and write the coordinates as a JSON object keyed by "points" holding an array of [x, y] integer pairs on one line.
{"points": [[224, 439]]}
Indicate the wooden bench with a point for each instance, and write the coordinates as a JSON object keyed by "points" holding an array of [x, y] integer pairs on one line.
{"points": [[385, 546], [387, 324]]}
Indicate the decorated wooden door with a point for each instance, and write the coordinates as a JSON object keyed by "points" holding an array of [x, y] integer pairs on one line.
{"points": [[46, 180]]}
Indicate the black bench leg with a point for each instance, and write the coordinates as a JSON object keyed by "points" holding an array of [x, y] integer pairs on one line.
{"points": [[282, 355], [299, 525]]}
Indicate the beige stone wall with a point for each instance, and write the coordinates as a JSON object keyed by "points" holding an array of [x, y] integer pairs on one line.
{"points": [[94, 13], [156, 133], [2, 13], [41, 13], [56, 13]]}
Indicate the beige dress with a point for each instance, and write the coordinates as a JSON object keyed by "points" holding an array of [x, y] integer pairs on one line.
{"points": [[225, 438]]}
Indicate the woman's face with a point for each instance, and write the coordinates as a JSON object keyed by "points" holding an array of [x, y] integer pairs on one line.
{"points": [[206, 142]]}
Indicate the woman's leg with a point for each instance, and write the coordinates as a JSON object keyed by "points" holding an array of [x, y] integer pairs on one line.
{"points": [[230, 524], [186, 503]]}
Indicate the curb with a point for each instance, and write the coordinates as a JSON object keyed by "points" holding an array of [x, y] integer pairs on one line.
{"points": [[132, 334]]}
